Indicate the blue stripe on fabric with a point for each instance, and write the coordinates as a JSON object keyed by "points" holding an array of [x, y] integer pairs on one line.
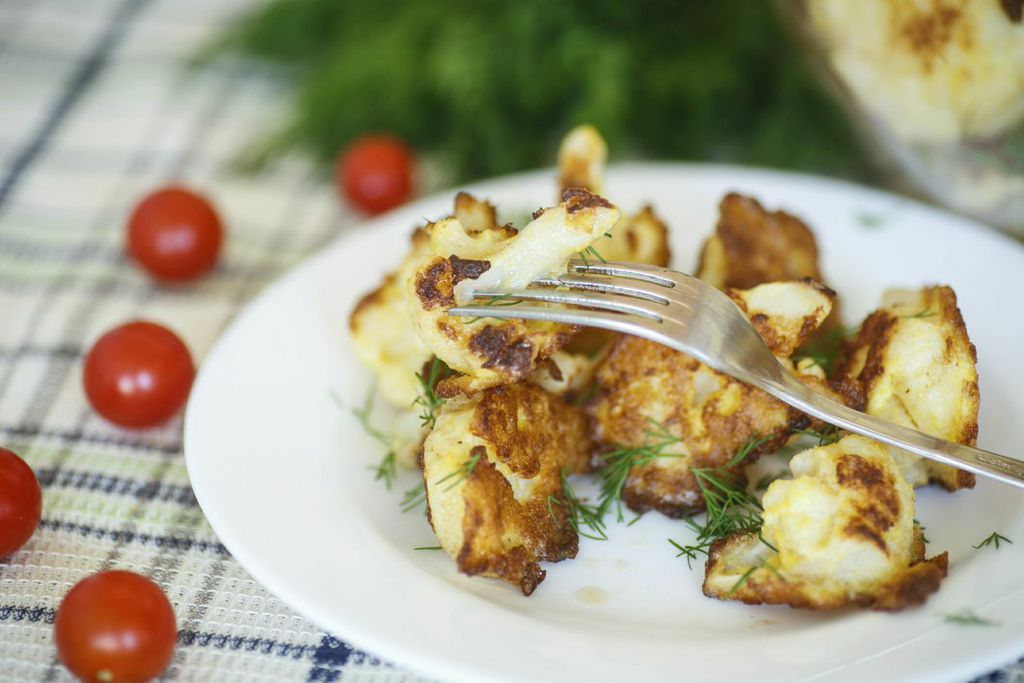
{"points": [[180, 543], [329, 658], [141, 489], [77, 436], [79, 81], [224, 642]]}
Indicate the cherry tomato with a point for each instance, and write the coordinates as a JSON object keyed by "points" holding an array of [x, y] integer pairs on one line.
{"points": [[175, 234], [138, 374], [115, 627], [21, 502], [375, 173]]}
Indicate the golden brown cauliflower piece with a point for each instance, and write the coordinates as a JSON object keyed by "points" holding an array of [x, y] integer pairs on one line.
{"points": [[382, 335], [711, 414], [637, 238], [918, 368], [840, 533], [488, 352], [489, 467], [752, 246], [380, 326]]}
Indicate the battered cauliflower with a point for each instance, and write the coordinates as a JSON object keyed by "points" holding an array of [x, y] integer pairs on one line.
{"points": [[382, 335], [492, 469], [752, 246], [934, 72], [636, 238], [840, 533], [380, 326], [710, 413], [918, 368], [486, 351]]}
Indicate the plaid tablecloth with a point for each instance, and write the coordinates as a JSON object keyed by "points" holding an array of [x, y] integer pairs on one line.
{"points": [[96, 108]]}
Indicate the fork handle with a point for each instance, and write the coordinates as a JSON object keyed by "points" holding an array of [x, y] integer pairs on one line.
{"points": [[791, 391]]}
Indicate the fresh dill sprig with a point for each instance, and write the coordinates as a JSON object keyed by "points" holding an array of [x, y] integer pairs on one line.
{"points": [[742, 580], [824, 351], [387, 468], [826, 436], [924, 539], [413, 498], [428, 547], [870, 220], [994, 539], [730, 507], [593, 252], [417, 495], [460, 473], [617, 464], [428, 400], [966, 617], [577, 512], [497, 300]]}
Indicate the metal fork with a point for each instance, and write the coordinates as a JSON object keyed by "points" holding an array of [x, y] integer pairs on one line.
{"points": [[688, 315]]}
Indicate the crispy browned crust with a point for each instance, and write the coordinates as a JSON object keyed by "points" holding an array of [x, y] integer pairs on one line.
{"points": [[761, 246], [861, 361], [881, 511], [641, 379], [510, 348], [908, 587], [537, 436], [782, 344]]}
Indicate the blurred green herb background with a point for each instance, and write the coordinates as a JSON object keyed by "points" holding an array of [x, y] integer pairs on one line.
{"points": [[488, 87]]}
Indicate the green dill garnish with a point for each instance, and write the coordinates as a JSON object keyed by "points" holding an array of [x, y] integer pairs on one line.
{"points": [[428, 547], [730, 507], [460, 474], [824, 351], [826, 436], [497, 300], [925, 313], [608, 234], [578, 513], [924, 539], [742, 580], [413, 498], [870, 220], [993, 539], [430, 402], [417, 495], [387, 468], [617, 464], [966, 617]]}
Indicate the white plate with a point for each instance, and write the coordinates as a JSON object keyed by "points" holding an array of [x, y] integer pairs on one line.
{"points": [[282, 477]]}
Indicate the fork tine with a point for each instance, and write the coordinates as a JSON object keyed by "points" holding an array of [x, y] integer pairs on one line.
{"points": [[626, 322], [604, 302], [625, 287], [634, 271]]}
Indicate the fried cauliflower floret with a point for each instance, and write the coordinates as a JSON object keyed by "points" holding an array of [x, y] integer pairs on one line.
{"points": [[581, 160], [919, 369], [637, 238], [935, 72], [840, 533], [710, 413], [488, 352], [382, 334], [752, 246], [489, 467]]}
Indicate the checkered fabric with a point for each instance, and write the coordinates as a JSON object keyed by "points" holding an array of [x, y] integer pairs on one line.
{"points": [[97, 108]]}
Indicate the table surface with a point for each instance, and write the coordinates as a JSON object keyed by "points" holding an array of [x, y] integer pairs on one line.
{"points": [[97, 108]]}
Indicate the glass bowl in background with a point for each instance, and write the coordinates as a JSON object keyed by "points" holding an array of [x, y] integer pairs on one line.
{"points": [[936, 88]]}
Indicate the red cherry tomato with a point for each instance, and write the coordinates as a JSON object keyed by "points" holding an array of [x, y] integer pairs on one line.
{"points": [[138, 374], [21, 502], [115, 627], [375, 173], [175, 234]]}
